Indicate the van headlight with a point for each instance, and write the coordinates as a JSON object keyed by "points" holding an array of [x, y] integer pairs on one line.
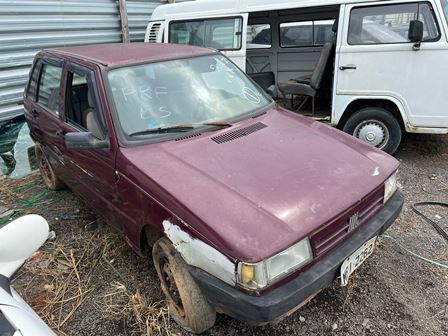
{"points": [[261, 274], [390, 187]]}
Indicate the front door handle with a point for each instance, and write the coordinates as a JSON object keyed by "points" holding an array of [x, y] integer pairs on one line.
{"points": [[34, 113], [347, 67]]}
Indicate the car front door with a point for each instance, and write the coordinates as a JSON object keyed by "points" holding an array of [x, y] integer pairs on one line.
{"points": [[377, 59], [92, 170]]}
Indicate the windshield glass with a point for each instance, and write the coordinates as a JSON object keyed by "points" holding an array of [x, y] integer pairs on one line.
{"points": [[182, 92], [445, 9]]}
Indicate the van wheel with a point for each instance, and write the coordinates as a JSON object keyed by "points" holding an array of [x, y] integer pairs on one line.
{"points": [[187, 305], [375, 126], [48, 175]]}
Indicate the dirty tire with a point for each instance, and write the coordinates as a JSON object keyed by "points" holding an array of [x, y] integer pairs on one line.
{"points": [[380, 122], [46, 171], [187, 305]]}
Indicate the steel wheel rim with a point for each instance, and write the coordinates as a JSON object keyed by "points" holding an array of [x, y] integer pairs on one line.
{"points": [[170, 285], [373, 132], [45, 168]]}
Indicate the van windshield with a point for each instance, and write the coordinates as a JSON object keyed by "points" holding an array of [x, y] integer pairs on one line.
{"points": [[192, 92]]}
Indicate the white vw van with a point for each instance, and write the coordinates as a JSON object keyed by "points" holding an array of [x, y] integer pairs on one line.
{"points": [[371, 68]]}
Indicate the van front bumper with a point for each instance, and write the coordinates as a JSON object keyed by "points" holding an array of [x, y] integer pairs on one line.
{"points": [[281, 300]]}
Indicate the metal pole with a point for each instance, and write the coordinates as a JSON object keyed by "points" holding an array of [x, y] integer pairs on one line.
{"points": [[124, 21]]}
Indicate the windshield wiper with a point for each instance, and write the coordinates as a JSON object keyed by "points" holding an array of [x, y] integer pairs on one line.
{"points": [[162, 130], [218, 124]]}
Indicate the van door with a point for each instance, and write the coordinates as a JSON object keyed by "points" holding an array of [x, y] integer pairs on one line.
{"points": [[377, 59], [224, 33]]}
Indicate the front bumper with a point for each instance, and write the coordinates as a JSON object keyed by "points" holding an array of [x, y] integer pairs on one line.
{"points": [[278, 302]]}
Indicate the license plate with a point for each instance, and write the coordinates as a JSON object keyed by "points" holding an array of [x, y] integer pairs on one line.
{"points": [[355, 260]]}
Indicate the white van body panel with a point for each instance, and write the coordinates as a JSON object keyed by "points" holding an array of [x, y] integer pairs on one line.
{"points": [[412, 80]]}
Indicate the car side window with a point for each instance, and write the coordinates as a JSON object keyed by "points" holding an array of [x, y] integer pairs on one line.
{"points": [[390, 23], [49, 87], [32, 86], [81, 107]]}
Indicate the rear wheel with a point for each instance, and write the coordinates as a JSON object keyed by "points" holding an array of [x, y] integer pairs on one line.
{"points": [[48, 175], [187, 305], [377, 127]]}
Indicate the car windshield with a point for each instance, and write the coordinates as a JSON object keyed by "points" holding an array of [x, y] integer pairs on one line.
{"points": [[182, 94]]}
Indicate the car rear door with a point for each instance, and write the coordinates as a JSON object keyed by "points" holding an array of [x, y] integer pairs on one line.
{"points": [[92, 170], [44, 107]]}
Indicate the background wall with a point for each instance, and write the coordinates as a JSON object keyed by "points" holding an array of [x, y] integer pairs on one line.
{"points": [[27, 26]]}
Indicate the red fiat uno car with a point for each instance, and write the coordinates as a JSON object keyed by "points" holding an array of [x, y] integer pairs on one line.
{"points": [[250, 209]]}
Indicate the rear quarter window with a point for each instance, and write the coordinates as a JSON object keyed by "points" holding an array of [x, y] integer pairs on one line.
{"points": [[32, 85], [445, 9], [49, 88]]}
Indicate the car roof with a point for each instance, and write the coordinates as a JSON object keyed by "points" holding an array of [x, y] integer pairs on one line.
{"points": [[116, 54]]}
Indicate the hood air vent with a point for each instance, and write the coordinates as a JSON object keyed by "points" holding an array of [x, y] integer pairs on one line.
{"points": [[230, 136]]}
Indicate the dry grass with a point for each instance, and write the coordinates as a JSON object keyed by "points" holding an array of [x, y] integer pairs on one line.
{"points": [[141, 315], [73, 276]]}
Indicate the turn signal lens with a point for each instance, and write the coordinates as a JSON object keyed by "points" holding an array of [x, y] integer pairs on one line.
{"points": [[247, 273]]}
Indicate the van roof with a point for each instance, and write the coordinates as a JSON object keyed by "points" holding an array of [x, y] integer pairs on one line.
{"points": [[115, 54], [208, 8]]}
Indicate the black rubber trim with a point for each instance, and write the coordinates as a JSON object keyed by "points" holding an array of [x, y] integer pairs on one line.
{"points": [[267, 307], [5, 284]]}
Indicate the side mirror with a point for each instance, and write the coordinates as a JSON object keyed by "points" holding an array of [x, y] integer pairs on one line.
{"points": [[84, 140], [20, 239], [415, 33]]}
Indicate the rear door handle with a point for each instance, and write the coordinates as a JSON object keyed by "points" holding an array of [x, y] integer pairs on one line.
{"points": [[34, 113], [347, 67], [60, 134]]}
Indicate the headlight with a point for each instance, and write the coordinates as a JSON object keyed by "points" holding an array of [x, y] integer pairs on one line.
{"points": [[390, 187], [261, 274]]}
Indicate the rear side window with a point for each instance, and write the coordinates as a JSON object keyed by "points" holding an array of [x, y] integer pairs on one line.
{"points": [[259, 36], [32, 86], [49, 87], [445, 9], [390, 23], [222, 34], [306, 33]]}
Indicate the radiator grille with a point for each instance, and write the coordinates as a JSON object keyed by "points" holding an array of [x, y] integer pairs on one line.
{"points": [[338, 230]]}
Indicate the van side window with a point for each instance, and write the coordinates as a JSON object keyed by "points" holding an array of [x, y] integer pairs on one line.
{"points": [[390, 23], [445, 9], [259, 36], [49, 86], [222, 34], [306, 33]]}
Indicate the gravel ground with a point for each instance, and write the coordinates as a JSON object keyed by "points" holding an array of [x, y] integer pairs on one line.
{"points": [[89, 282]]}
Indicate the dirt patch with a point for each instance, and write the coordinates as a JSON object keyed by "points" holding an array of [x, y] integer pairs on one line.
{"points": [[89, 282]]}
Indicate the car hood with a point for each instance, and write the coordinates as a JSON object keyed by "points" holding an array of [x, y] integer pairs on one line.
{"points": [[258, 190]]}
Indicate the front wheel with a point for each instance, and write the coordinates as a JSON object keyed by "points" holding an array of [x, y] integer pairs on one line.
{"points": [[377, 127], [187, 305]]}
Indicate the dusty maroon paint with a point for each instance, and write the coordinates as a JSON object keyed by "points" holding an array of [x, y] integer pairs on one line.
{"points": [[249, 198]]}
